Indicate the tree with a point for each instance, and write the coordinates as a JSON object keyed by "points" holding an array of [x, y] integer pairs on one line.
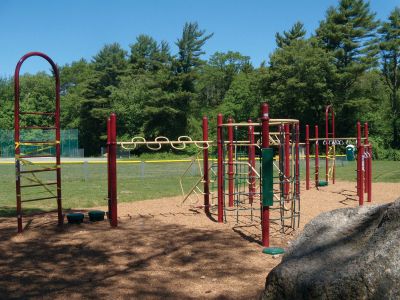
{"points": [[190, 47], [298, 81], [390, 53], [349, 32], [216, 77], [73, 79], [297, 32], [168, 113], [6, 103], [147, 55], [242, 100], [108, 65]]}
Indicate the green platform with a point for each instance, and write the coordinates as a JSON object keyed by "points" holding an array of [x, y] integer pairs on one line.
{"points": [[75, 218], [322, 183], [96, 215], [273, 250]]}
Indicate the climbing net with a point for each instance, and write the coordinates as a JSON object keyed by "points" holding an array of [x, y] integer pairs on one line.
{"points": [[244, 173]]}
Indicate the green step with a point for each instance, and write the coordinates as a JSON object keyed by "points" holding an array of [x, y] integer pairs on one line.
{"points": [[96, 215], [75, 218]]}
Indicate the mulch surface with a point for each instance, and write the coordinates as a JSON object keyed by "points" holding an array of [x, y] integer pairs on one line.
{"points": [[160, 250]]}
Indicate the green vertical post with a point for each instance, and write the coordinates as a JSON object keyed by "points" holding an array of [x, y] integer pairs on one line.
{"points": [[267, 176]]}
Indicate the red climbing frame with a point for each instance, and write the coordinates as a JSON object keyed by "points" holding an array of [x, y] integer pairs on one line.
{"points": [[18, 142]]}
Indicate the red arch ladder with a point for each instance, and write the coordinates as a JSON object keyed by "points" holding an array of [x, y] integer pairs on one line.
{"points": [[18, 142]]}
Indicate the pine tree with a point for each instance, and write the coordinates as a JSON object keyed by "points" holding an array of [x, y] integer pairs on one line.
{"points": [[108, 65], [390, 52], [349, 32], [147, 55], [297, 32], [190, 47]]}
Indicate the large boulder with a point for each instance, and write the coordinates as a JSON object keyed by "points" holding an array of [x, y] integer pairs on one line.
{"points": [[349, 253]]}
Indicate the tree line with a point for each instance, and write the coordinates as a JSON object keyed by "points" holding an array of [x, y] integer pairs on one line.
{"points": [[351, 61]]}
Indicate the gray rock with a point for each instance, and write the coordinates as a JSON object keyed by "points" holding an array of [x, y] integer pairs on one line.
{"points": [[350, 253]]}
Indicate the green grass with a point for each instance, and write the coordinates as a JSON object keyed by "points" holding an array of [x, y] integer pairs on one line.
{"points": [[382, 171], [85, 186]]}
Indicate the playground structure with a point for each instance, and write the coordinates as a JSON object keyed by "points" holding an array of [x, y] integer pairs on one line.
{"points": [[330, 141], [246, 172], [27, 172], [236, 165]]}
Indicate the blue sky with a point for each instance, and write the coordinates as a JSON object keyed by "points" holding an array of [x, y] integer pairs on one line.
{"points": [[68, 30]]}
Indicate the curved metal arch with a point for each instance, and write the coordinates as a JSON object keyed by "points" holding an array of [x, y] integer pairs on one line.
{"points": [[17, 133]]}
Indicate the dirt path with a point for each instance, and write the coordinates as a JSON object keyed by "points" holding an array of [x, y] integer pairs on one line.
{"points": [[159, 251]]}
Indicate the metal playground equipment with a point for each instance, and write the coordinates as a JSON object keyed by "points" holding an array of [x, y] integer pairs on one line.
{"points": [[30, 173], [330, 141], [27, 172], [248, 181]]}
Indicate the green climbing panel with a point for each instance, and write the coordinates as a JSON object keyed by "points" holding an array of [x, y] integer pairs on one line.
{"points": [[267, 156]]}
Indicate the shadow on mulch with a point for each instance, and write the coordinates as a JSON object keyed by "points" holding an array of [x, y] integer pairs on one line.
{"points": [[143, 258]]}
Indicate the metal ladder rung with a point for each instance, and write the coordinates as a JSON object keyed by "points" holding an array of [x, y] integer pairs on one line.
{"points": [[37, 127], [33, 156], [24, 143], [39, 184], [38, 170], [38, 199], [37, 113]]}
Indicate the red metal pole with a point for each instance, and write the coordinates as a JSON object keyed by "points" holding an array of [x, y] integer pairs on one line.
{"points": [[358, 157], [252, 163], [307, 157], [297, 179], [205, 167], [58, 149], [220, 172], [370, 174], [109, 167], [113, 171], [361, 174], [230, 163], [287, 160], [17, 148], [265, 144], [366, 160], [334, 148], [316, 157]]}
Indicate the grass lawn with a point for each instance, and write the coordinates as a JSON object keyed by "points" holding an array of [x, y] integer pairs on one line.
{"points": [[86, 185]]}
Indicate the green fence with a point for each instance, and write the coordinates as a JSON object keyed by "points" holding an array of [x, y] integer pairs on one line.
{"points": [[69, 142]]}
